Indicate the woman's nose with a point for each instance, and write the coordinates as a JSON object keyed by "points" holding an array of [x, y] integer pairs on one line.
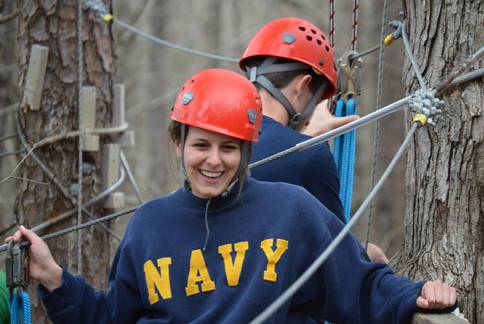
{"points": [[214, 156]]}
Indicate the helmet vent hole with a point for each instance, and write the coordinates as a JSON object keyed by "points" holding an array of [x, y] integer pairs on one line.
{"points": [[301, 28], [309, 38], [327, 48], [323, 37], [313, 31], [318, 41]]}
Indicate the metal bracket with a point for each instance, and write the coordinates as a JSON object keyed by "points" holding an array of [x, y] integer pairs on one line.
{"points": [[349, 81], [17, 267]]}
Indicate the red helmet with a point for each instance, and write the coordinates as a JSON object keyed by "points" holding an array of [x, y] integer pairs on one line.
{"points": [[296, 39], [220, 101]]}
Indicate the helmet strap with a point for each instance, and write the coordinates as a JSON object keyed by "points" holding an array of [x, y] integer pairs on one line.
{"points": [[311, 105], [256, 75]]}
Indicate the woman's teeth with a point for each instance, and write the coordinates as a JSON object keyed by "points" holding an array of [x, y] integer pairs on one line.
{"points": [[211, 174]]}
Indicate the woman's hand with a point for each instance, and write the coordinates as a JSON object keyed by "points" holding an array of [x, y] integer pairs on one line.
{"points": [[436, 295], [42, 266]]}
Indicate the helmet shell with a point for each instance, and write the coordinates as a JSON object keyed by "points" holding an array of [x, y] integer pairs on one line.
{"points": [[296, 39], [220, 101]]}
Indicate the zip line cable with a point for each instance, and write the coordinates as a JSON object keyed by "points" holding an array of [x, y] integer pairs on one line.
{"points": [[102, 195], [131, 178], [408, 51], [271, 309], [380, 113], [163, 42], [466, 66], [80, 115], [376, 130], [68, 230]]}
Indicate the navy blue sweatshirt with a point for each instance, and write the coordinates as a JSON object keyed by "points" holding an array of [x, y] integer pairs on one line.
{"points": [[313, 169], [259, 244]]}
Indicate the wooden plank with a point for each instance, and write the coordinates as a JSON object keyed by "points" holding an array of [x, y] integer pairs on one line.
{"points": [[110, 165], [114, 200], [87, 102], [127, 139], [421, 318], [111, 162], [118, 105], [35, 77]]}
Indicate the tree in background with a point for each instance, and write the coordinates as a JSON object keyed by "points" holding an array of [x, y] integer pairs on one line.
{"points": [[444, 231], [54, 24]]}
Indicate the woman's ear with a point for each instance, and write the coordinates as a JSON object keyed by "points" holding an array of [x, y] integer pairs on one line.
{"points": [[178, 149]]}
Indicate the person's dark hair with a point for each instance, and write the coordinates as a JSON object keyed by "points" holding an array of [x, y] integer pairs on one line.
{"points": [[282, 79], [178, 133]]}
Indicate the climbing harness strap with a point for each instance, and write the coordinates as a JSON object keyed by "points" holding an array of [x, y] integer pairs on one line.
{"points": [[17, 281]]}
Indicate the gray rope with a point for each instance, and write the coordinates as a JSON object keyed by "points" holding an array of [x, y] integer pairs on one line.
{"points": [[271, 309], [376, 132], [80, 71], [131, 178], [160, 41], [380, 113], [421, 81]]}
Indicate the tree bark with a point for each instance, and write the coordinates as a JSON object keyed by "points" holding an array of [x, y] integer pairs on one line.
{"points": [[444, 232], [54, 24], [8, 96]]}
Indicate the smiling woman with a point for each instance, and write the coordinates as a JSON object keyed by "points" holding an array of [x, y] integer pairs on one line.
{"points": [[211, 161], [265, 235]]}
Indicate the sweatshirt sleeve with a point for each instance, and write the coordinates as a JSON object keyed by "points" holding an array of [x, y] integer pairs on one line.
{"points": [[348, 287], [77, 302]]}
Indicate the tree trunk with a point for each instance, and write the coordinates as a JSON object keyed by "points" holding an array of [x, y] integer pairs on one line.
{"points": [[8, 96], [54, 24], [444, 232]]}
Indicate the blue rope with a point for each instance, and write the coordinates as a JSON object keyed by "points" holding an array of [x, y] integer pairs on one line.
{"points": [[344, 155], [20, 297]]}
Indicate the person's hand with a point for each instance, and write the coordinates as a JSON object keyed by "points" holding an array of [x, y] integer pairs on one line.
{"points": [[323, 121], [376, 254], [42, 266], [436, 295]]}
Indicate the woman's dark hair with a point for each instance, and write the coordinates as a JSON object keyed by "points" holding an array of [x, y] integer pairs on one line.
{"points": [[178, 133], [282, 79]]}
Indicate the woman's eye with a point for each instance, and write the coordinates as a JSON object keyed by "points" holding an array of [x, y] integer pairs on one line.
{"points": [[200, 145], [229, 147]]}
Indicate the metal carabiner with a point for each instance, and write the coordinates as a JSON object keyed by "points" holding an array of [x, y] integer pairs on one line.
{"points": [[17, 267], [349, 81]]}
